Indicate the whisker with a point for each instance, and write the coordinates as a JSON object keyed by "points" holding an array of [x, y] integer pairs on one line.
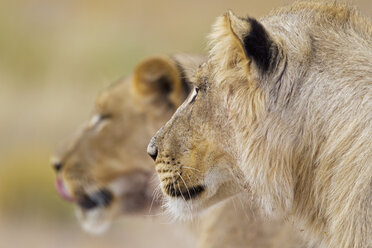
{"points": [[187, 167], [154, 196], [154, 178], [179, 188], [189, 193], [186, 202], [185, 184]]}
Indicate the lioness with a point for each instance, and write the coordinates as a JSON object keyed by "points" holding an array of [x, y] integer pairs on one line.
{"points": [[105, 171], [288, 101]]}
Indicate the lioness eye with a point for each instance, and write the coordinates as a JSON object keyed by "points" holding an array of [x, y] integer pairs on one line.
{"points": [[194, 94], [98, 118]]}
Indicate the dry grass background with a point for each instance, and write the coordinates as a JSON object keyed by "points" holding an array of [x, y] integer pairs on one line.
{"points": [[54, 58]]}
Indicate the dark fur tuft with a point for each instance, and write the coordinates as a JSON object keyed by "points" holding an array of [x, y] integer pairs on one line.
{"points": [[258, 45]]}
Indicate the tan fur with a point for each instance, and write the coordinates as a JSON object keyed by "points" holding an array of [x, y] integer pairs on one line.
{"points": [[300, 133], [220, 229], [113, 150]]}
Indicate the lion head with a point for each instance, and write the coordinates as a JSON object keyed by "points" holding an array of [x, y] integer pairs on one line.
{"points": [[287, 101], [249, 98], [104, 168], [196, 152]]}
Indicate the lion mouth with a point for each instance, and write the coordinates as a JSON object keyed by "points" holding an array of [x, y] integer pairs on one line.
{"points": [[100, 198], [187, 193]]}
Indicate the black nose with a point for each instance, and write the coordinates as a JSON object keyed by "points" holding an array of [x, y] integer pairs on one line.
{"points": [[152, 149], [57, 166], [154, 155]]}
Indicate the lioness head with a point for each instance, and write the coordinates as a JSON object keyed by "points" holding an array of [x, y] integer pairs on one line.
{"points": [[104, 169], [197, 157]]}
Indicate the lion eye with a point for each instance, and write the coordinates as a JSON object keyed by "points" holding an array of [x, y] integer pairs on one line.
{"points": [[195, 94], [96, 119]]}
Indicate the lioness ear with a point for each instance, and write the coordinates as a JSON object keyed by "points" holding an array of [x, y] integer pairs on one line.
{"points": [[243, 40], [159, 79]]}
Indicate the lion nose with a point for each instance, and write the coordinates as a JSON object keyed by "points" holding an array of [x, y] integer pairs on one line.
{"points": [[56, 163], [152, 149], [57, 166]]}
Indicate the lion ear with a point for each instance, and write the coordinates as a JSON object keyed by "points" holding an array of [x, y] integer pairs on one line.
{"points": [[159, 79], [243, 39]]}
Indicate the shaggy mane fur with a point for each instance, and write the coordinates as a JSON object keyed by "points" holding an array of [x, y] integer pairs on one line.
{"points": [[304, 132]]}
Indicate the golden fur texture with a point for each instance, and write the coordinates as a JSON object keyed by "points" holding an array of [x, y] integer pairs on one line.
{"points": [[109, 155], [286, 101]]}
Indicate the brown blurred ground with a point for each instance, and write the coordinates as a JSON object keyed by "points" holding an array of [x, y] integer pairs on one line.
{"points": [[54, 58]]}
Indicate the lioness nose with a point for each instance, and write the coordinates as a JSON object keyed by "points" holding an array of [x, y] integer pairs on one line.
{"points": [[152, 149], [57, 166], [56, 163]]}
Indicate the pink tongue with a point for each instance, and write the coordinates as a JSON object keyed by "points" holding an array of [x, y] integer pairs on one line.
{"points": [[62, 190]]}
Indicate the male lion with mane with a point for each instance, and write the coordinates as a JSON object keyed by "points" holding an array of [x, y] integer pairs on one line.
{"points": [[286, 99], [105, 171]]}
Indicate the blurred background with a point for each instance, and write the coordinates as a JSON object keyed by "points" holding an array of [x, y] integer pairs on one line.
{"points": [[55, 56]]}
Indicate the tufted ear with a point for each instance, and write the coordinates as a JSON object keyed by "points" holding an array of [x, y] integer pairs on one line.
{"points": [[238, 41], [159, 79]]}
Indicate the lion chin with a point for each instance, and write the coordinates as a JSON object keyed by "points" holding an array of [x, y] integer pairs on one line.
{"points": [[183, 208], [95, 221]]}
